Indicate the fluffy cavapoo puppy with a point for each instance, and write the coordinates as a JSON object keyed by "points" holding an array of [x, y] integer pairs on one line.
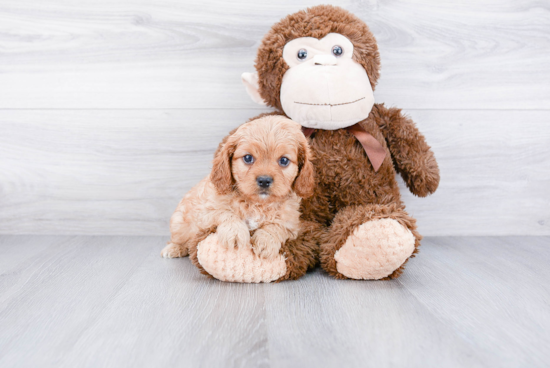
{"points": [[259, 174]]}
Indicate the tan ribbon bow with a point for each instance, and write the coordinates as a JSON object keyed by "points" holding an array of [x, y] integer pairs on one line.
{"points": [[375, 151]]}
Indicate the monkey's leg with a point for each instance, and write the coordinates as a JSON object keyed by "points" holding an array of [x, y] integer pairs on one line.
{"points": [[369, 242], [242, 265]]}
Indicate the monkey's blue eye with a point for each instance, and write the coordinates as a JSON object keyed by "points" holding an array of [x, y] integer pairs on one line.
{"points": [[302, 54], [337, 50], [283, 161], [248, 159]]}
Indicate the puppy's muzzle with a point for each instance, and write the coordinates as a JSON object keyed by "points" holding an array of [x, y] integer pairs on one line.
{"points": [[264, 182]]}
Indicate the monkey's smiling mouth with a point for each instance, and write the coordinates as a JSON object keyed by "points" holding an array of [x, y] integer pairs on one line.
{"points": [[327, 104]]}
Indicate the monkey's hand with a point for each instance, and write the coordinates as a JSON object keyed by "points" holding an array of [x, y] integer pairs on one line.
{"points": [[425, 179], [412, 156]]}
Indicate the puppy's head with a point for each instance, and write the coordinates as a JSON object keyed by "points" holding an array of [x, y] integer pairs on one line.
{"points": [[264, 159]]}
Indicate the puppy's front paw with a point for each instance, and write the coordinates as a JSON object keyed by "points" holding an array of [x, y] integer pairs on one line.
{"points": [[233, 234], [265, 245]]}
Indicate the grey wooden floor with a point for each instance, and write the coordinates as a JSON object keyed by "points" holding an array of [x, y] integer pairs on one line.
{"points": [[106, 301]]}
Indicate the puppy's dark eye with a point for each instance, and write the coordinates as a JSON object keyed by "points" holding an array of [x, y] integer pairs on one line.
{"points": [[283, 161], [337, 50], [302, 54], [248, 159]]}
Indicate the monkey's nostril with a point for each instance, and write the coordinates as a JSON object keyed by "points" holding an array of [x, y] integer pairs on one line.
{"points": [[264, 181]]}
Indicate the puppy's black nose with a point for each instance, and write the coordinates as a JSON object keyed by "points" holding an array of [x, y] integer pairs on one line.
{"points": [[264, 181]]}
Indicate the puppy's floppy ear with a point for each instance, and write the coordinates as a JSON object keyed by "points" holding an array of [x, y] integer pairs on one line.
{"points": [[221, 175], [304, 184]]}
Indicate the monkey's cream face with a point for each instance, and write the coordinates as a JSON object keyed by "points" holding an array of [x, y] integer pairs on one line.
{"points": [[324, 87]]}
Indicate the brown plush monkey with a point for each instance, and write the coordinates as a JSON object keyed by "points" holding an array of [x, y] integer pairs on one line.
{"points": [[319, 67]]}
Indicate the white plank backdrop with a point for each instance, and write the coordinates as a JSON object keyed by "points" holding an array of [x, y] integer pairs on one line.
{"points": [[110, 110]]}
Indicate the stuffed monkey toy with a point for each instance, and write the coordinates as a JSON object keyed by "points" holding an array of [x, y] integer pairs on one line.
{"points": [[319, 67]]}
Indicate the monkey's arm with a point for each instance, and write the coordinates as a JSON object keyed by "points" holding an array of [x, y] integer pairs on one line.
{"points": [[412, 156]]}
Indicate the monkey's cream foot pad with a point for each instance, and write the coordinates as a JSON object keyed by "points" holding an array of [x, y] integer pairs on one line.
{"points": [[237, 265], [374, 250]]}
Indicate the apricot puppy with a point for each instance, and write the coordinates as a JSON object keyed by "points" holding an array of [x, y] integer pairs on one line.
{"points": [[260, 173]]}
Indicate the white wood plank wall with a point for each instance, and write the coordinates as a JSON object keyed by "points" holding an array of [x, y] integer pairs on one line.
{"points": [[110, 110]]}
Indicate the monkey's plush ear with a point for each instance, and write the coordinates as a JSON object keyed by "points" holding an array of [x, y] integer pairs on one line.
{"points": [[250, 81]]}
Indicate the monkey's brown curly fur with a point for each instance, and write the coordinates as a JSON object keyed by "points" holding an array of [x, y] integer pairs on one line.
{"points": [[302, 253], [349, 191]]}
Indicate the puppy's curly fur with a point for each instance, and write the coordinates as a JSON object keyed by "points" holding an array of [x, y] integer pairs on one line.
{"points": [[232, 200]]}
